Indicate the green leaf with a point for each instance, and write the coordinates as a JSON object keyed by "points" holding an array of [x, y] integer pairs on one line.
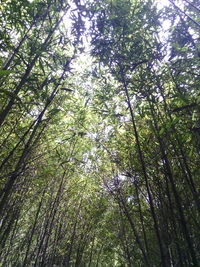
{"points": [[41, 66], [10, 94], [66, 89], [5, 72], [54, 111], [161, 131]]}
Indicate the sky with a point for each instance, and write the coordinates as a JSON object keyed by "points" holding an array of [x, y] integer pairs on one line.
{"points": [[162, 3]]}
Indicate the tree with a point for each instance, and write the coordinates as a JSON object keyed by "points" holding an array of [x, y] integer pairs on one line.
{"points": [[100, 142]]}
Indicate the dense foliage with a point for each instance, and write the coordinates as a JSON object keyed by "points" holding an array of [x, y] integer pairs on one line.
{"points": [[100, 133]]}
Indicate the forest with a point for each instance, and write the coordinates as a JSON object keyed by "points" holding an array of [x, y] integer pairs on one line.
{"points": [[99, 133]]}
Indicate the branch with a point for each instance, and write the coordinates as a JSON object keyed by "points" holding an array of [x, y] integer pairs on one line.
{"points": [[185, 107]]}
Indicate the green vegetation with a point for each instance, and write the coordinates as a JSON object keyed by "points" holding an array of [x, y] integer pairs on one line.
{"points": [[99, 133]]}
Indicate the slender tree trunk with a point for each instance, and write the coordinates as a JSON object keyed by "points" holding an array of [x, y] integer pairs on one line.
{"points": [[33, 229], [184, 164], [123, 206], [7, 109], [22, 161], [176, 195], [162, 254], [91, 252], [24, 38]]}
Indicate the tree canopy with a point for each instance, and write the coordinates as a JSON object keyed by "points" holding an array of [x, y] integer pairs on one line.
{"points": [[99, 133]]}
